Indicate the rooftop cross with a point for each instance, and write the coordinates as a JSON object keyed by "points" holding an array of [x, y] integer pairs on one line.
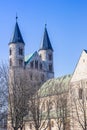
{"points": [[16, 17], [45, 25]]}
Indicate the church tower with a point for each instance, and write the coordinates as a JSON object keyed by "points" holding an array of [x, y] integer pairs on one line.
{"points": [[16, 48], [46, 54]]}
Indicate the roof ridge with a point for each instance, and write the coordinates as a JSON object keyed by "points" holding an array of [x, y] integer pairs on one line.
{"points": [[29, 57]]}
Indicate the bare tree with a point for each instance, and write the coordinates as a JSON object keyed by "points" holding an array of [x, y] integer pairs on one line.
{"points": [[3, 92], [41, 118], [62, 113], [19, 93], [79, 105], [61, 107]]}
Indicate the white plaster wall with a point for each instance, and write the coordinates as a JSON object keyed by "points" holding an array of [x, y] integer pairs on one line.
{"points": [[81, 68]]}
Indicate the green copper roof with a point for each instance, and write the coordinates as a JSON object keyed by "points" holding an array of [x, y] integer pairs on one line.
{"points": [[29, 57], [16, 36], [44, 116], [55, 86], [46, 44]]}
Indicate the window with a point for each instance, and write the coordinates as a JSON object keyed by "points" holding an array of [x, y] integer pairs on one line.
{"points": [[40, 56], [36, 64], [30, 125], [20, 51], [49, 128], [50, 105], [10, 51], [52, 123], [43, 106], [40, 66], [50, 67], [32, 64], [50, 56], [20, 62], [10, 62], [83, 60], [42, 77], [86, 93], [80, 93]]}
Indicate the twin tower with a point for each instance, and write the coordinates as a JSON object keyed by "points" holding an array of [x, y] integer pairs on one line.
{"points": [[38, 64]]}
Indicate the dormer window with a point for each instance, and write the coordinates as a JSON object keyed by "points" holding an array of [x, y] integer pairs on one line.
{"points": [[20, 51]]}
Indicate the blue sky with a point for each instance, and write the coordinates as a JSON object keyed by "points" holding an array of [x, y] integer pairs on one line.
{"points": [[66, 24]]}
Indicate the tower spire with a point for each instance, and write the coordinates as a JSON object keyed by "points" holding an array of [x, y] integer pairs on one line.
{"points": [[17, 36], [46, 44]]}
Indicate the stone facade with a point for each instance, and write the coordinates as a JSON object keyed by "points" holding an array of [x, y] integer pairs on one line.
{"points": [[40, 62], [78, 94], [39, 67]]}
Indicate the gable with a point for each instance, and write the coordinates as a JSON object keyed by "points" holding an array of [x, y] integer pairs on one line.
{"points": [[81, 68], [32, 57], [29, 57]]}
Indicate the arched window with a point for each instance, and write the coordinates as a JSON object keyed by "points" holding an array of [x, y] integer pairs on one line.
{"points": [[32, 64], [50, 67], [50, 56], [36, 64], [20, 51], [10, 62], [30, 125], [40, 56], [10, 51], [20, 62], [42, 77], [86, 93], [52, 123], [43, 106], [40, 66], [80, 93], [50, 105]]}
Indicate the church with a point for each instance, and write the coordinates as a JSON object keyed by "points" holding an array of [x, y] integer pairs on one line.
{"points": [[40, 61], [66, 95]]}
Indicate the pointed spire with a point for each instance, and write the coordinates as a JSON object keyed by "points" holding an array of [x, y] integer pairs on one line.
{"points": [[46, 44], [16, 36]]}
